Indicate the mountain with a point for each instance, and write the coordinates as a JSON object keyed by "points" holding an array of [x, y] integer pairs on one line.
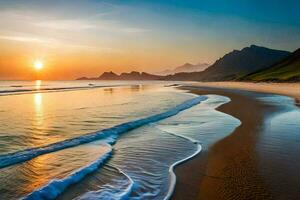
{"points": [[242, 62], [105, 76], [187, 67], [125, 76], [82, 78], [108, 76], [138, 76], [232, 66], [287, 69]]}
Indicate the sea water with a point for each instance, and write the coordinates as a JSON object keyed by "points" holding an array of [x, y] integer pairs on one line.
{"points": [[101, 140], [278, 148]]}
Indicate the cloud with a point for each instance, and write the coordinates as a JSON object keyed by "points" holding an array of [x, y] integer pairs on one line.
{"points": [[24, 39], [55, 43], [90, 25], [66, 24]]}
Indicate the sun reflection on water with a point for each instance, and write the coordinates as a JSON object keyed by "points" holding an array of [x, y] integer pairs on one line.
{"points": [[38, 105], [38, 99], [38, 84]]}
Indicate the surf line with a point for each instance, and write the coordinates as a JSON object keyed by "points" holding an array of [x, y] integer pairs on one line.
{"points": [[171, 168], [113, 132], [124, 195], [52, 90], [57, 186]]}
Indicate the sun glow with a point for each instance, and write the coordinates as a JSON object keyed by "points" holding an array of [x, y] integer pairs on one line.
{"points": [[38, 65]]}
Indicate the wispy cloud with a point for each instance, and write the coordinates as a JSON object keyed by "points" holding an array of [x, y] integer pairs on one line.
{"points": [[99, 31], [95, 24], [55, 43], [66, 24], [24, 39]]}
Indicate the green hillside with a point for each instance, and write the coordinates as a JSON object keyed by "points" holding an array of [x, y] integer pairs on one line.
{"points": [[286, 70]]}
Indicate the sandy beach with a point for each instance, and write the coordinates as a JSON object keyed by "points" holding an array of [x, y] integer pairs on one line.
{"points": [[229, 169], [288, 89]]}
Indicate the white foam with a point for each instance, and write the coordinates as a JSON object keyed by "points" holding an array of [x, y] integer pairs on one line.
{"points": [[112, 196], [171, 168], [55, 187]]}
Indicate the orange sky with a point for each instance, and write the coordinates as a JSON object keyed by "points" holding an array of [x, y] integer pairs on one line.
{"points": [[62, 61]]}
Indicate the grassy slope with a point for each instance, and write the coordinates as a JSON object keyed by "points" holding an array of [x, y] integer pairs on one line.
{"points": [[286, 70]]}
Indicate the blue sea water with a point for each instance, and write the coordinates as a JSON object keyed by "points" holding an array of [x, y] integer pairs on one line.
{"points": [[101, 140]]}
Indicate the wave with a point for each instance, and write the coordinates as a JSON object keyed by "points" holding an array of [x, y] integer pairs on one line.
{"points": [[102, 194], [55, 89], [171, 168], [110, 133], [55, 187]]}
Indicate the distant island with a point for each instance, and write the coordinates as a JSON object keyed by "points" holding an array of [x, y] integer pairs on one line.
{"points": [[252, 63], [125, 76]]}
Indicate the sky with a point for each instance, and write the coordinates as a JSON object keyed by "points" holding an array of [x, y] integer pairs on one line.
{"points": [[87, 37]]}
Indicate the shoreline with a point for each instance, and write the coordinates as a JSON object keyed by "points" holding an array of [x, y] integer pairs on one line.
{"points": [[228, 168], [287, 89], [172, 172]]}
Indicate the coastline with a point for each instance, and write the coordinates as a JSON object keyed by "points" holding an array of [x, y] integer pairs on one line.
{"points": [[228, 168], [288, 89]]}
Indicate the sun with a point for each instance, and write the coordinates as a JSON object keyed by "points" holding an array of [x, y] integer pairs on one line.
{"points": [[38, 65]]}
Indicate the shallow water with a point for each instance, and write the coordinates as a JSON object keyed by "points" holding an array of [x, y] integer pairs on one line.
{"points": [[134, 165], [278, 149]]}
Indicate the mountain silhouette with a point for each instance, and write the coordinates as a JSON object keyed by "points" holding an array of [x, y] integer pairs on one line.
{"points": [[287, 69]]}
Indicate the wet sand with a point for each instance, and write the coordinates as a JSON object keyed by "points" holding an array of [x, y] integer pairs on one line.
{"points": [[229, 168]]}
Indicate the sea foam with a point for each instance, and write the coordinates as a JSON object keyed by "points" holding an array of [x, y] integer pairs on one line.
{"points": [[56, 186], [107, 193], [171, 168]]}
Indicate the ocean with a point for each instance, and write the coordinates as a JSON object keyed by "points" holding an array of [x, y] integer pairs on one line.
{"points": [[101, 139]]}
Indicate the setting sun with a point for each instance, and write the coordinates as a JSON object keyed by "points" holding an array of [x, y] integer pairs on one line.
{"points": [[38, 65]]}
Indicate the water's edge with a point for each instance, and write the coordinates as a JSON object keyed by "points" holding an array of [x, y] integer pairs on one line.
{"points": [[171, 168]]}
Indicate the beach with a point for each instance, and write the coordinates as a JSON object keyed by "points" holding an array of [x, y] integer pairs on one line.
{"points": [[288, 89], [243, 165]]}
